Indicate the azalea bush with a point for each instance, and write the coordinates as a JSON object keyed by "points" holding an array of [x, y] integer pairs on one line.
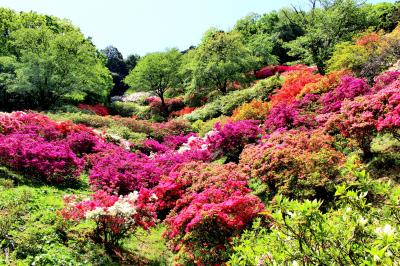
{"points": [[254, 110], [292, 86], [297, 164], [97, 109], [115, 217], [230, 139], [201, 226]]}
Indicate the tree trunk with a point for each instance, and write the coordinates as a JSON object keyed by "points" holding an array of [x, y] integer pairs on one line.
{"points": [[164, 108]]}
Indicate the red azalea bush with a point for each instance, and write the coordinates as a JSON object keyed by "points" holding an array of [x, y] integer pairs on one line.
{"points": [[98, 109], [194, 177], [293, 84], [172, 127], [269, 71], [201, 226], [184, 111], [230, 139], [298, 164], [174, 104], [115, 217]]}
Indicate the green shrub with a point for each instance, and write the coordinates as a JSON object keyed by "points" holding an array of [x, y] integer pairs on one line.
{"points": [[202, 127], [362, 230], [129, 109], [225, 105]]}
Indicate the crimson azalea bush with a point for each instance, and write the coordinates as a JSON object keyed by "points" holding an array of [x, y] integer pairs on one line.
{"points": [[194, 177], [174, 104], [115, 217], [269, 71], [298, 164], [201, 226], [98, 109]]}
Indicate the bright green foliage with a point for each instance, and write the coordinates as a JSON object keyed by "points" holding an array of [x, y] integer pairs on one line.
{"points": [[54, 67], [326, 24], [225, 105], [46, 61], [156, 72], [221, 57], [362, 230]]}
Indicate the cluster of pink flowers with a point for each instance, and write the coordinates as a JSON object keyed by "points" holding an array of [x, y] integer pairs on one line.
{"points": [[32, 143], [230, 139], [174, 104], [349, 88]]}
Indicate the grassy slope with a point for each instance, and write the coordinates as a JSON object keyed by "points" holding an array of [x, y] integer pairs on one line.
{"points": [[32, 232]]}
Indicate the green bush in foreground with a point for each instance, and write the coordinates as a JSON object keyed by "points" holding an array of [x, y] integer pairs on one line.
{"points": [[363, 229]]}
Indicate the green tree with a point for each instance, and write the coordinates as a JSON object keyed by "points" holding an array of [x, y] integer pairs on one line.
{"points": [[325, 25], [156, 72], [221, 57], [53, 68]]}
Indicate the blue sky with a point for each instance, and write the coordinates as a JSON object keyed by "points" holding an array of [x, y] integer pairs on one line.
{"points": [[143, 26]]}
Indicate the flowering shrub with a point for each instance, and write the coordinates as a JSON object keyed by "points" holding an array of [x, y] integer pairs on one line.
{"points": [[254, 110], [293, 84], [269, 71], [115, 217], [54, 162], [288, 116], [172, 127], [174, 104], [32, 143], [324, 83], [194, 177], [349, 88], [363, 230], [230, 139], [301, 164], [97, 109], [201, 225], [184, 111], [362, 117]]}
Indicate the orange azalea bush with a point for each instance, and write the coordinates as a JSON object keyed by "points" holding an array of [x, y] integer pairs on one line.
{"points": [[254, 110], [324, 83]]}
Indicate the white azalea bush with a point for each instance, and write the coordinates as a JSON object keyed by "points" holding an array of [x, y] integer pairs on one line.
{"points": [[115, 217]]}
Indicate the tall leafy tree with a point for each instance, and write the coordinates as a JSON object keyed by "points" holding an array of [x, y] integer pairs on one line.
{"points": [[53, 68], [131, 61], [221, 57], [327, 23], [156, 72]]}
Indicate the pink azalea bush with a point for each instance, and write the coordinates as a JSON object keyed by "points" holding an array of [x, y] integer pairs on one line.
{"points": [[116, 217], [349, 88], [230, 139], [300, 164]]}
